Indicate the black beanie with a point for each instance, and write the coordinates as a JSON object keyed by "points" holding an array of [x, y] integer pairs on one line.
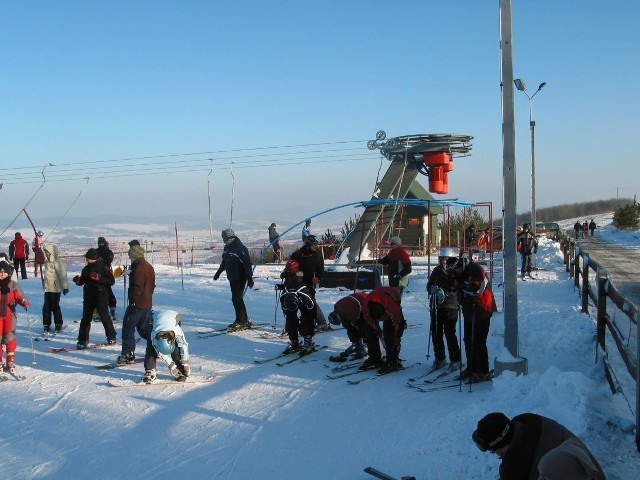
{"points": [[494, 431], [92, 254], [134, 243]]}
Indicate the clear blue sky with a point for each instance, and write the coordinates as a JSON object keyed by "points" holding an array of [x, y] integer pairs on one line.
{"points": [[173, 84]]}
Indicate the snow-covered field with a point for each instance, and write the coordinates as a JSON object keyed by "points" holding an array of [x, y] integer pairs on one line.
{"points": [[291, 422]]}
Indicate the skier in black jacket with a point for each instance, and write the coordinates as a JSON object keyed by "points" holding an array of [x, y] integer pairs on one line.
{"points": [[106, 254], [237, 263]]}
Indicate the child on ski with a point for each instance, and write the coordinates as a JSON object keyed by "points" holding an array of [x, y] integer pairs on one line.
{"points": [[167, 341], [10, 294], [55, 282], [96, 276]]}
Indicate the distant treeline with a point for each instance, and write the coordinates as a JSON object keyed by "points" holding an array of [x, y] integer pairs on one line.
{"points": [[574, 210]]}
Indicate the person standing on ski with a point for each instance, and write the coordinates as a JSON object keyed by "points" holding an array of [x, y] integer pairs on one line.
{"points": [[10, 294], [443, 309], [166, 339], [237, 263], [38, 254], [312, 266], [142, 283], [297, 297], [19, 254], [306, 230], [55, 283], [348, 312], [383, 305], [527, 245], [106, 254], [275, 244], [94, 277], [398, 263], [477, 303]]}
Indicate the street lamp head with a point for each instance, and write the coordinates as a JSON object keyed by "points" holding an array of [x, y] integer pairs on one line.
{"points": [[520, 85], [541, 86]]}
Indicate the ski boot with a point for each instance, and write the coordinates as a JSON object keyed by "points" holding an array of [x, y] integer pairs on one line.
{"points": [[238, 326], [126, 358], [57, 329], [81, 346], [309, 346], [390, 366], [293, 347], [11, 362], [360, 350], [149, 376], [370, 363]]}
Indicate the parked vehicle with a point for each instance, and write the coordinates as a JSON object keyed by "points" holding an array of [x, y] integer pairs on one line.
{"points": [[549, 230]]}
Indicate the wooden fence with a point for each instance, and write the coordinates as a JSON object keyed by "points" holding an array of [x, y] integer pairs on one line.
{"points": [[592, 280]]}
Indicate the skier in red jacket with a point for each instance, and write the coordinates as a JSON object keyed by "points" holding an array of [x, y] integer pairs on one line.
{"points": [[10, 294], [19, 254]]}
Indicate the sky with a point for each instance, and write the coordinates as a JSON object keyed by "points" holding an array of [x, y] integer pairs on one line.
{"points": [[277, 423], [141, 107]]}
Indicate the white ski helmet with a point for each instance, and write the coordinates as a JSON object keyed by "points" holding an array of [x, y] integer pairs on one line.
{"points": [[448, 252], [164, 343]]}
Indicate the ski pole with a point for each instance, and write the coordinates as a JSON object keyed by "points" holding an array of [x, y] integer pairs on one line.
{"points": [[404, 285], [435, 313], [33, 350], [275, 307]]}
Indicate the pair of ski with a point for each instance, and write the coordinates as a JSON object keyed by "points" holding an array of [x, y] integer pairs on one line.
{"points": [[223, 331], [452, 383], [383, 476], [49, 335], [12, 374], [283, 355], [442, 372], [378, 374], [190, 381]]}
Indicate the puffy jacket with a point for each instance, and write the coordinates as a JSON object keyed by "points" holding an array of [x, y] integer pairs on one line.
{"points": [[18, 248], [448, 284], [235, 261], [475, 287], [142, 283], [100, 287], [55, 273], [311, 264], [389, 298], [165, 321], [351, 307], [527, 243], [399, 264]]}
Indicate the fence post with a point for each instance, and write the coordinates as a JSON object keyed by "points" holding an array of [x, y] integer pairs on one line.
{"points": [[601, 325], [585, 284], [576, 267]]}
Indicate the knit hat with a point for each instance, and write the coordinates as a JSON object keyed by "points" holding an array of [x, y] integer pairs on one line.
{"points": [[18, 235], [273, 225], [6, 268], [494, 431], [395, 240], [568, 461], [102, 241], [134, 243], [136, 252], [227, 233], [92, 254]]}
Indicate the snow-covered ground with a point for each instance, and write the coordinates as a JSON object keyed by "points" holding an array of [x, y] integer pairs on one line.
{"points": [[278, 423]]}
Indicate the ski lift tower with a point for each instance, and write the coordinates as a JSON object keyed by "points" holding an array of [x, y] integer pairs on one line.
{"points": [[428, 154]]}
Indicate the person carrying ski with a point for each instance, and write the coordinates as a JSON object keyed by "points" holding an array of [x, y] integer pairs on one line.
{"points": [[275, 244], [443, 309], [19, 254], [55, 283], [166, 339], [398, 263], [348, 312], [383, 305], [237, 263], [522, 442], [477, 303], [38, 254], [527, 245], [296, 297], [94, 278], [10, 294], [142, 283], [106, 254], [312, 266]]}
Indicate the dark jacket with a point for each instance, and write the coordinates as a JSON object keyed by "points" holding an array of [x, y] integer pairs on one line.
{"points": [[273, 235], [399, 264], [311, 264], [389, 298], [235, 261], [527, 243], [534, 435], [475, 289], [95, 289], [105, 253], [448, 284], [142, 283], [351, 307]]}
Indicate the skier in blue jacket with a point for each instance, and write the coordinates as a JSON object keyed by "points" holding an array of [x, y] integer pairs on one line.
{"points": [[168, 342]]}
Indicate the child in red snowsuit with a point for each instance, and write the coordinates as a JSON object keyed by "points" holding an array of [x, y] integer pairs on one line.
{"points": [[10, 294]]}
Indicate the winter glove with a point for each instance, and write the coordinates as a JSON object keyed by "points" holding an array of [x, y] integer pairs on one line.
{"points": [[94, 276], [250, 283], [216, 276], [77, 280], [315, 281], [65, 291], [186, 368], [175, 371], [26, 304]]}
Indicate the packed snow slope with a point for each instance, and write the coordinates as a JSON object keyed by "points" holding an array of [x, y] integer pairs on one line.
{"points": [[278, 423]]}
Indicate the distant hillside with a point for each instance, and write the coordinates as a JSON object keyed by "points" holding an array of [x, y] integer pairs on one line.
{"points": [[574, 210]]}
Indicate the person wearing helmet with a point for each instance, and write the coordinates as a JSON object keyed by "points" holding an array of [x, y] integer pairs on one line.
{"points": [[237, 263], [527, 245], [477, 304], [312, 266], [443, 309], [383, 305], [348, 312], [165, 339], [296, 297], [19, 254], [398, 263], [38, 254]]}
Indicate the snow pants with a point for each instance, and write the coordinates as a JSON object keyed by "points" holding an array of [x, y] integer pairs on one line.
{"points": [[99, 302], [476, 330], [8, 331], [135, 319], [51, 306], [237, 293], [19, 264], [443, 324]]}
